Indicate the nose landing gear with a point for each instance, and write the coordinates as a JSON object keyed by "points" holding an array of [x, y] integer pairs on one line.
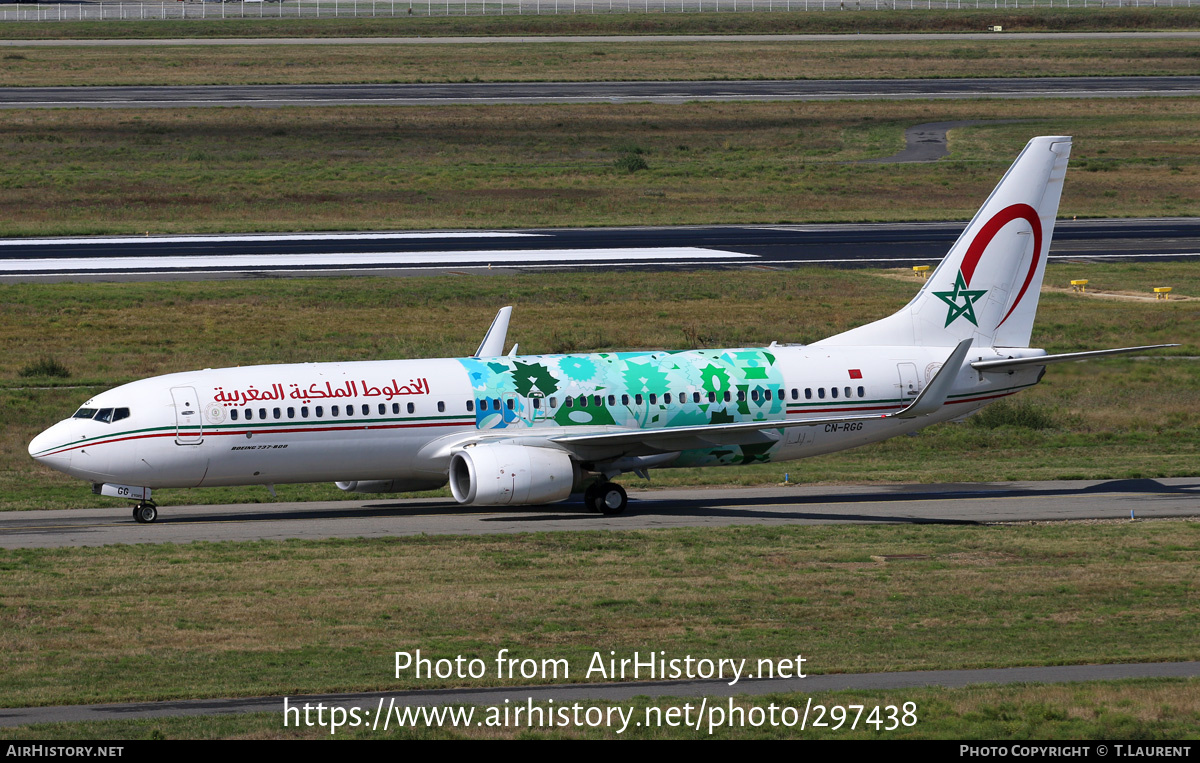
{"points": [[145, 512]]}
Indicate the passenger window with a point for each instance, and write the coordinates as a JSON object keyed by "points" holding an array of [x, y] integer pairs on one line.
{"points": [[808, 393], [624, 399], [862, 392], [569, 402], [833, 392], [727, 396], [249, 414], [333, 411], [395, 408], [637, 399], [291, 413], [667, 398], [320, 411], [795, 394], [441, 407], [262, 413], [120, 413], [821, 392], [554, 402], [304, 411], [537, 403], [349, 410], [741, 395], [233, 415], [276, 413], [612, 399], [412, 408], [366, 409], [482, 404], [847, 392], [470, 406], [495, 403], [382, 409], [695, 397], [653, 399], [509, 402], [712, 397]]}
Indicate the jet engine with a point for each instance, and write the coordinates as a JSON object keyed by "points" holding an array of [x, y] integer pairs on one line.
{"points": [[495, 475], [411, 485]]}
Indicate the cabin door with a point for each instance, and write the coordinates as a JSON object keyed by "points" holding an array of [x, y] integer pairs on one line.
{"points": [[189, 425]]}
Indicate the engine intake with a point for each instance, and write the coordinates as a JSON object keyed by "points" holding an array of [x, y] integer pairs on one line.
{"points": [[498, 475]]}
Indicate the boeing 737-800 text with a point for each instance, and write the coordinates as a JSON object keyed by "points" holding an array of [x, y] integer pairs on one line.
{"points": [[509, 429]]}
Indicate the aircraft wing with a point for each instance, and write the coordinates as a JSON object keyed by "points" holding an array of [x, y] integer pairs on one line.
{"points": [[930, 400]]}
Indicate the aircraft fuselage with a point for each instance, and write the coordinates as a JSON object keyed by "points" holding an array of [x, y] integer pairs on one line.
{"points": [[401, 419]]}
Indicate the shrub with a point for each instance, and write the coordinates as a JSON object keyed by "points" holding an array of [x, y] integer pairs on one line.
{"points": [[1019, 414], [46, 366], [631, 163]]}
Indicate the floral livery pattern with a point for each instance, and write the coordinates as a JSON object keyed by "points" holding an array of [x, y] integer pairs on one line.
{"points": [[642, 390]]}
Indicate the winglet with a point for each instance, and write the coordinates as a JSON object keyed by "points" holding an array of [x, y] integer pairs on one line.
{"points": [[492, 345], [934, 395]]}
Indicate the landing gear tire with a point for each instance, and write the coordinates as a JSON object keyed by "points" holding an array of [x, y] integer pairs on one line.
{"points": [[591, 497], [145, 513], [610, 499]]}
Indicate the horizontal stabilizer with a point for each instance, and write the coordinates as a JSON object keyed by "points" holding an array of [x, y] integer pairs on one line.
{"points": [[1044, 360], [933, 397]]}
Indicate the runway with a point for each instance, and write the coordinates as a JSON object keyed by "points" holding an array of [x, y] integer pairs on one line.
{"points": [[976, 503], [137, 258], [593, 92]]}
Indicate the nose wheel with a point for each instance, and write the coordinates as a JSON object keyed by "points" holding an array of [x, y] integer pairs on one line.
{"points": [[145, 512]]}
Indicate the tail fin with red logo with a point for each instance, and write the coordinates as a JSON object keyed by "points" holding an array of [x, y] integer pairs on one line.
{"points": [[987, 287]]}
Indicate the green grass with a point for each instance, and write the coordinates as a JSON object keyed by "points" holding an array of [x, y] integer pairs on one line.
{"points": [[1115, 418], [962, 20], [589, 61], [223, 170], [161, 621]]}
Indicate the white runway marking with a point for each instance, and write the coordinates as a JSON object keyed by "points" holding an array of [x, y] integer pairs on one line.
{"points": [[257, 238], [368, 259], [1085, 256]]}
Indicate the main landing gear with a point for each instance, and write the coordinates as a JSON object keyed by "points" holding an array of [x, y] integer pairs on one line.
{"points": [[607, 498], [145, 512]]}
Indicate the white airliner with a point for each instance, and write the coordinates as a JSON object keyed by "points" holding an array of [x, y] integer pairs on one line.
{"points": [[509, 429]]}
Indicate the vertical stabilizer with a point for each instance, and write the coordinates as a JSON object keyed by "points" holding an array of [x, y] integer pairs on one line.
{"points": [[986, 289], [492, 345]]}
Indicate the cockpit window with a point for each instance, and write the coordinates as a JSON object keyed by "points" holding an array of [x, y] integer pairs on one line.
{"points": [[106, 415]]}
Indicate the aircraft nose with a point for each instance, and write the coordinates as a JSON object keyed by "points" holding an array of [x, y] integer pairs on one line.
{"points": [[49, 447]]}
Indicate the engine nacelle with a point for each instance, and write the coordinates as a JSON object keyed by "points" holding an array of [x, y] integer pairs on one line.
{"points": [[411, 485], [497, 475]]}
